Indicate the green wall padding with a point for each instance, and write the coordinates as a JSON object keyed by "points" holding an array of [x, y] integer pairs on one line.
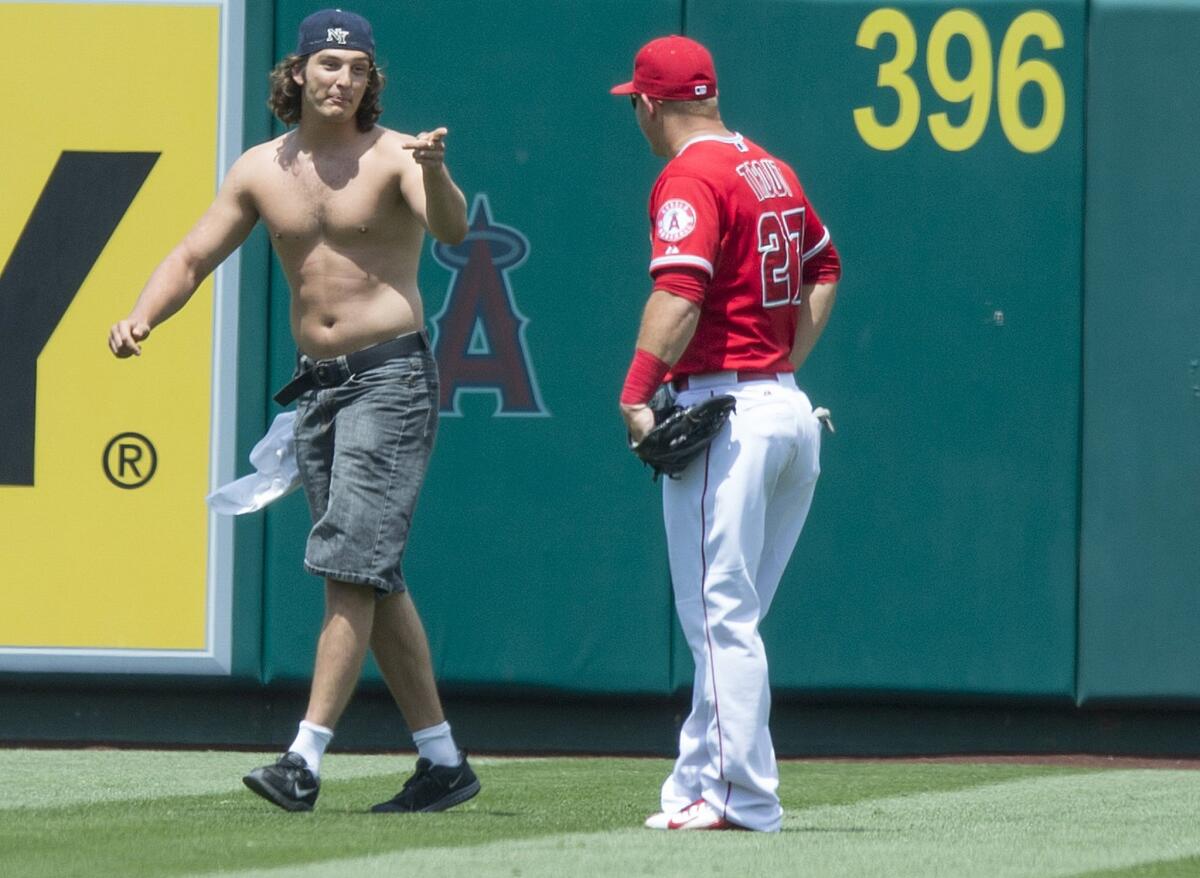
{"points": [[1140, 568], [537, 556], [939, 557]]}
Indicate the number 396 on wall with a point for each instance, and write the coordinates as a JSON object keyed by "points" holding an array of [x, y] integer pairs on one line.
{"points": [[1011, 76]]}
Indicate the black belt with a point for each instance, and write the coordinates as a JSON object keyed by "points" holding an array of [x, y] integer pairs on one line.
{"points": [[332, 372]]}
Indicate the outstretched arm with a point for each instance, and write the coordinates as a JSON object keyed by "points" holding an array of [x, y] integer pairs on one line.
{"points": [[432, 194], [218, 233]]}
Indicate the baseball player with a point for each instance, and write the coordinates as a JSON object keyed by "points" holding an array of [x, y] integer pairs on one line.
{"points": [[744, 278]]}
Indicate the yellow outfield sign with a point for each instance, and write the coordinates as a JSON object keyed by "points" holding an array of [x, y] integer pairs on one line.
{"points": [[111, 145]]}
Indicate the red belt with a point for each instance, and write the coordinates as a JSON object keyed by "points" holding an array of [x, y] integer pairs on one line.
{"points": [[681, 383]]}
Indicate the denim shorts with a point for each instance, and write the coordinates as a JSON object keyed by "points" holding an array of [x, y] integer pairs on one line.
{"points": [[362, 448]]}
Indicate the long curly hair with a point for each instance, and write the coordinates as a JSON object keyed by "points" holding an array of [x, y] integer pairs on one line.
{"points": [[285, 101]]}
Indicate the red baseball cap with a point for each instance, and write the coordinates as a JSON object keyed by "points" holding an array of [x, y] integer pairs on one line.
{"points": [[671, 69]]}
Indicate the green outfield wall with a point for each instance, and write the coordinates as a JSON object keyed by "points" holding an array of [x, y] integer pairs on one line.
{"points": [[940, 556], [1010, 508], [1139, 608], [940, 553], [537, 554]]}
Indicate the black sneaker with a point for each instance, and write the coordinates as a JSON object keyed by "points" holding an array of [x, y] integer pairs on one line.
{"points": [[433, 788], [288, 783]]}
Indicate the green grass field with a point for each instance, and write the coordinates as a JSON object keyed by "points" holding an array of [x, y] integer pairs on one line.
{"points": [[139, 813]]}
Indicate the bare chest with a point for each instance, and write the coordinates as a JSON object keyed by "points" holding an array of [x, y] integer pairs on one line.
{"points": [[304, 204]]}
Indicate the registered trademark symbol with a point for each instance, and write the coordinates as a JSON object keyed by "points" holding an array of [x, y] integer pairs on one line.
{"points": [[130, 460]]}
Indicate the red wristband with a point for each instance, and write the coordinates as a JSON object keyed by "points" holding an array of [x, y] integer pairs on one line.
{"points": [[646, 372]]}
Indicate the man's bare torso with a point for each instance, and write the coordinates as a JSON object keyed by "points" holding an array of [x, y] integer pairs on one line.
{"points": [[348, 242]]}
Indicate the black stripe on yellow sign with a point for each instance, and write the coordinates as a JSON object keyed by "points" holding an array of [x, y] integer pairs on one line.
{"points": [[79, 209]]}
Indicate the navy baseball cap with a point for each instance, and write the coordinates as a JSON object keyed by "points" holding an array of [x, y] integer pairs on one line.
{"points": [[335, 29]]}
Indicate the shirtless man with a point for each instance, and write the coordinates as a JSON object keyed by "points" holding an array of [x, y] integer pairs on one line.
{"points": [[346, 203]]}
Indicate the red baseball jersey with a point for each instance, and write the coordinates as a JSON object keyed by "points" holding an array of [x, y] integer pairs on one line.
{"points": [[726, 207]]}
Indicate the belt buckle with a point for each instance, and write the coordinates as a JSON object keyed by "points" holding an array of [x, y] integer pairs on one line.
{"points": [[323, 373]]}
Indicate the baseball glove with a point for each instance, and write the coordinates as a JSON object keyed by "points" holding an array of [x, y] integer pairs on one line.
{"points": [[680, 434]]}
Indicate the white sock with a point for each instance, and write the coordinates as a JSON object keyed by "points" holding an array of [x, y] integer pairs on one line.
{"points": [[437, 745], [310, 743]]}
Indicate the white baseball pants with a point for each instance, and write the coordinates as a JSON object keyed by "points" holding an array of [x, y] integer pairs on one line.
{"points": [[732, 521]]}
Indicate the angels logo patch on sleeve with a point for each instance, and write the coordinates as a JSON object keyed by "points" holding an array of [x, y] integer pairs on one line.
{"points": [[676, 220]]}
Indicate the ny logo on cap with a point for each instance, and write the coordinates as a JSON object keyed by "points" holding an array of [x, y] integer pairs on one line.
{"points": [[337, 35]]}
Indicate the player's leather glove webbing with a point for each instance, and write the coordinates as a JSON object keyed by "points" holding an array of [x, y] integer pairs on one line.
{"points": [[680, 434]]}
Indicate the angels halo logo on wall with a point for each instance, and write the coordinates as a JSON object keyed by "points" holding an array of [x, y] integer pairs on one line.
{"points": [[479, 338], [676, 220]]}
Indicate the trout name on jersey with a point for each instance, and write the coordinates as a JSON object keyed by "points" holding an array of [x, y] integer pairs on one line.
{"points": [[676, 220], [765, 179]]}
